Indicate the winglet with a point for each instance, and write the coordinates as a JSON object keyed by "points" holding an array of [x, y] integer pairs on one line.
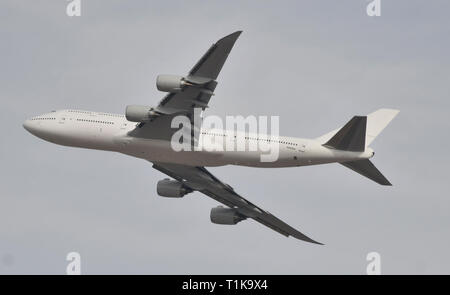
{"points": [[298, 235]]}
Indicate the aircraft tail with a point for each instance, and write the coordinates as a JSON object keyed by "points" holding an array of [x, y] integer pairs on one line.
{"points": [[351, 137], [367, 169], [356, 136], [375, 123]]}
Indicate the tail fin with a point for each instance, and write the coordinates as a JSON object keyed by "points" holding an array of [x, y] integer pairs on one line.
{"points": [[376, 122], [355, 136]]}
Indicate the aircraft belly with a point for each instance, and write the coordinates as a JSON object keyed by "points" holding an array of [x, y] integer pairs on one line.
{"points": [[86, 137], [155, 150]]}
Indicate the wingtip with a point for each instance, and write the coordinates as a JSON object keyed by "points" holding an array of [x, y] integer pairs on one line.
{"points": [[231, 38], [318, 243], [233, 35], [304, 238], [385, 182], [313, 242]]}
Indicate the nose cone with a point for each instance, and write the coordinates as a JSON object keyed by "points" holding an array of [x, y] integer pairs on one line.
{"points": [[44, 126], [28, 125], [33, 127]]}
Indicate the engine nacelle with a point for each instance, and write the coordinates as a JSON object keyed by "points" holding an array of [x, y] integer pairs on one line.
{"points": [[170, 83], [221, 215], [171, 188], [137, 113]]}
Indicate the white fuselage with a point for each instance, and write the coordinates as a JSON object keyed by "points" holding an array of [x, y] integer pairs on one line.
{"points": [[111, 132]]}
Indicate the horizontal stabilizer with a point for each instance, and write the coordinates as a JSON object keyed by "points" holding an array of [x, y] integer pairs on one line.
{"points": [[351, 137], [367, 169]]}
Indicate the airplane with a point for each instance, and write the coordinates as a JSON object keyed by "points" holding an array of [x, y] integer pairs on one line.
{"points": [[145, 132]]}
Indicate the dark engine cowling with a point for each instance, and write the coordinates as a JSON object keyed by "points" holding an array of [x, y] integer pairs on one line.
{"points": [[171, 188], [170, 83], [221, 215]]}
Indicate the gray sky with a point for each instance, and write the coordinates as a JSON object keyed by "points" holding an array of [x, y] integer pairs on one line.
{"points": [[313, 63]]}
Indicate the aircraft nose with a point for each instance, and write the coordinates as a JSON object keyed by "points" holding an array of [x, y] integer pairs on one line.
{"points": [[27, 125], [42, 126], [31, 126]]}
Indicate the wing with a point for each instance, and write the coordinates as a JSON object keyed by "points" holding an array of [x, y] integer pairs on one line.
{"points": [[202, 78], [200, 86], [200, 179]]}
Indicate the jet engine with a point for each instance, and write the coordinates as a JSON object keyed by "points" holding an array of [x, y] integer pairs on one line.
{"points": [[171, 188], [170, 83], [221, 215], [137, 113]]}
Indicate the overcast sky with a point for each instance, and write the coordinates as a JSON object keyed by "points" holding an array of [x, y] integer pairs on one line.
{"points": [[313, 63]]}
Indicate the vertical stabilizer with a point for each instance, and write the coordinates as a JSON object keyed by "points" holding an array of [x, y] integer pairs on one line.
{"points": [[377, 121]]}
